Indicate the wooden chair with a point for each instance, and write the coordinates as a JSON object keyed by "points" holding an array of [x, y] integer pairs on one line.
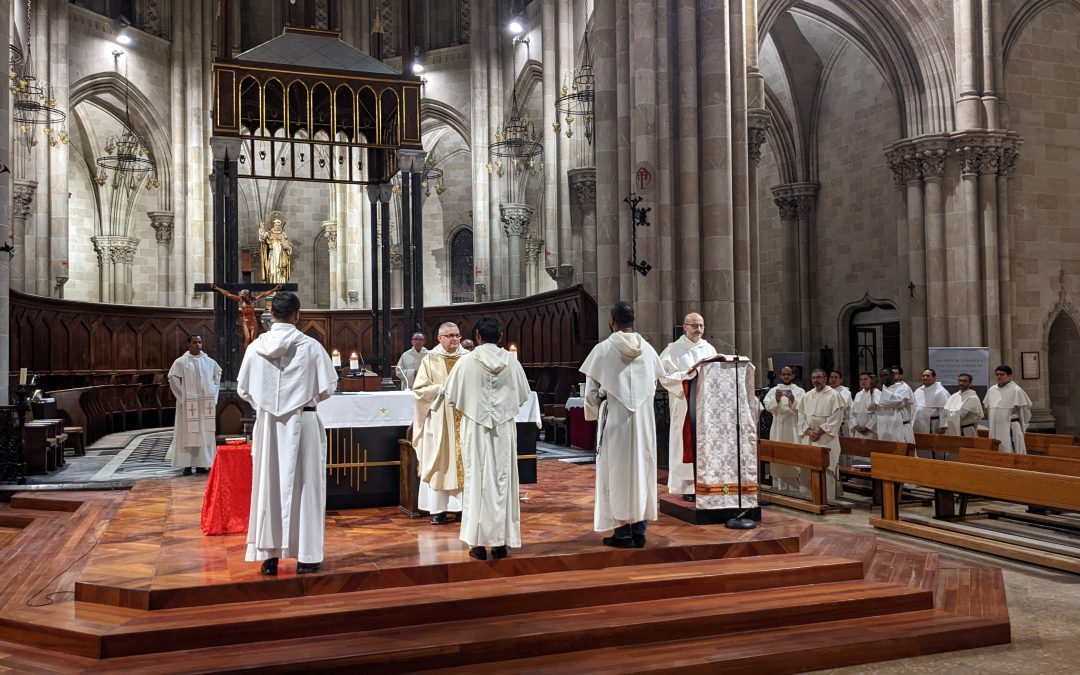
{"points": [[555, 426]]}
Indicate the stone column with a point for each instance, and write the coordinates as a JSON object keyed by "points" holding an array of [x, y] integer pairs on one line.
{"points": [[21, 207], [534, 250], [789, 225], [931, 155], [988, 204], [7, 202], [329, 228], [483, 29], [759, 122], [515, 219], [1005, 243], [966, 302], [906, 171], [123, 254], [162, 222], [798, 199], [969, 107], [583, 221]]}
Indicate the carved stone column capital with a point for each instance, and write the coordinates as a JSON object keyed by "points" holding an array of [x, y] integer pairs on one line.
{"points": [[534, 248], [987, 152], [481, 291], [560, 274], [329, 228], [386, 193], [515, 219], [115, 249], [162, 222], [395, 256], [904, 163], [931, 154], [795, 200], [22, 197], [583, 184], [758, 122], [412, 161], [373, 193]]}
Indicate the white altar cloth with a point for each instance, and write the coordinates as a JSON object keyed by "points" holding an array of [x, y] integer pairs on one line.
{"points": [[391, 409]]}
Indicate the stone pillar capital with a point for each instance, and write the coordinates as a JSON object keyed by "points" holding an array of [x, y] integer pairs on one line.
{"points": [[395, 256], [583, 184], [987, 152], [162, 222], [373, 192], [386, 192], [225, 148], [534, 248], [560, 274], [758, 121], [904, 163], [22, 196], [412, 161], [329, 228], [795, 200], [515, 219]]}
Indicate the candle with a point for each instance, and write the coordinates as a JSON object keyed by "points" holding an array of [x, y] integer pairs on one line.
{"points": [[770, 364], [513, 351], [354, 361], [335, 356], [22, 375]]}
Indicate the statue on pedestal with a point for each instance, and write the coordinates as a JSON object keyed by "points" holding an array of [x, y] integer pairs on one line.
{"points": [[275, 251]]}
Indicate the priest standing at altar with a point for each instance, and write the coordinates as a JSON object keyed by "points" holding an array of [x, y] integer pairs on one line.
{"points": [[782, 402], [963, 410], [678, 359], [821, 412], [488, 386], [621, 375], [194, 379], [283, 376], [1009, 410], [436, 435]]}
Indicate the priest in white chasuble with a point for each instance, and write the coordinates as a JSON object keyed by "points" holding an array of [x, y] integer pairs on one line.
{"points": [[194, 379], [863, 419], [889, 412], [436, 436], [963, 410], [284, 375], [836, 381], [821, 412], [1009, 410], [782, 402], [488, 386], [621, 375], [410, 361], [679, 359]]}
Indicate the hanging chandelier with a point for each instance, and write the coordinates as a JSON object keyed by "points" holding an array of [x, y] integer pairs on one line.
{"points": [[125, 155], [33, 105], [432, 172], [517, 141], [578, 98]]}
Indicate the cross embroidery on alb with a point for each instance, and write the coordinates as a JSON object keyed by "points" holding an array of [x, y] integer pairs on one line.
{"points": [[384, 411]]}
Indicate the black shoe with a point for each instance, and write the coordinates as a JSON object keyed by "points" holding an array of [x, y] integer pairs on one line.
{"points": [[439, 519], [478, 552], [269, 567], [307, 568], [456, 515], [187, 470], [689, 498], [619, 542], [201, 469], [499, 552], [639, 540]]}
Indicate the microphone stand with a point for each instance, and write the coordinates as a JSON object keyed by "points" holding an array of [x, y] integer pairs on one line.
{"points": [[739, 522]]}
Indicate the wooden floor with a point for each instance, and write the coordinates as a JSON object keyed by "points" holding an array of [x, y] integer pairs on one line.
{"points": [[99, 581]]}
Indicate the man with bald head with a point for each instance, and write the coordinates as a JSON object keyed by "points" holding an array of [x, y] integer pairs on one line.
{"points": [[679, 359], [436, 435], [410, 361]]}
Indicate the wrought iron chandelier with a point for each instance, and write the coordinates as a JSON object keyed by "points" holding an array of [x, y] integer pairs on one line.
{"points": [[578, 97], [516, 140], [125, 155], [33, 104], [432, 173]]}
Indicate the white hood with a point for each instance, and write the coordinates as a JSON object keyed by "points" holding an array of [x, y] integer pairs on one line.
{"points": [[492, 358]]}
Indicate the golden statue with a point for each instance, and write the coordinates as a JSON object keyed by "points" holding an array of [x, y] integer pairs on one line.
{"points": [[275, 252]]}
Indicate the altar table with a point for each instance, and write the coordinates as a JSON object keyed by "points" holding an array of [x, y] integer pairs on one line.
{"points": [[582, 432], [227, 499]]}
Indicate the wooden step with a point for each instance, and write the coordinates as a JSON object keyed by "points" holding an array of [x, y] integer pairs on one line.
{"points": [[794, 649], [476, 640], [314, 616]]}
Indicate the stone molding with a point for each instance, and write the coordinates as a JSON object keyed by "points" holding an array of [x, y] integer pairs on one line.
{"points": [[115, 249], [561, 273], [329, 228], [583, 184], [162, 222], [22, 196], [795, 200], [515, 219], [980, 153]]}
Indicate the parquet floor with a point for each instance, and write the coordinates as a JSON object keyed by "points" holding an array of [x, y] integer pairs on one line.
{"points": [[114, 581]]}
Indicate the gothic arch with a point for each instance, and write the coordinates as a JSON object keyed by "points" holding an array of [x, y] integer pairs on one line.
{"points": [[435, 112], [1064, 305], [1025, 15], [107, 91], [531, 75], [783, 139], [845, 316]]}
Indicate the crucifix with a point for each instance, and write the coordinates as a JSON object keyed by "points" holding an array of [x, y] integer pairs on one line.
{"points": [[227, 339]]}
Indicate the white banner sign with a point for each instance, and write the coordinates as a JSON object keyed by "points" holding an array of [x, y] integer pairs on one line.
{"points": [[949, 362]]}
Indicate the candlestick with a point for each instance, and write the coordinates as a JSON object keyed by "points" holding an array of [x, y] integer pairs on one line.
{"points": [[354, 361], [335, 356], [770, 363], [513, 351], [22, 375]]}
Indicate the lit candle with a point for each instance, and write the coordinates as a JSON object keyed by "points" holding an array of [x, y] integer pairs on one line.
{"points": [[513, 351], [22, 375], [770, 363], [354, 361], [335, 356]]}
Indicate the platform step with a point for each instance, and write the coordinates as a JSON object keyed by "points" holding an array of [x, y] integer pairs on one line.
{"points": [[315, 616], [791, 649], [477, 640]]}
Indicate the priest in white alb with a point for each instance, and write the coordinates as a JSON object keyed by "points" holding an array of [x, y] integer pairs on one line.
{"points": [[888, 412], [620, 383], [930, 401], [782, 402], [488, 386], [436, 436], [194, 379], [821, 412], [836, 381], [283, 376], [410, 360], [1009, 410], [903, 392], [863, 419], [678, 359], [963, 410]]}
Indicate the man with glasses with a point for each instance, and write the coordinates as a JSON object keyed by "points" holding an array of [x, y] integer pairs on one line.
{"points": [[963, 410], [1009, 410], [679, 359], [436, 434]]}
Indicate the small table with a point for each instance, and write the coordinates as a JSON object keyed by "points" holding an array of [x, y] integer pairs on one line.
{"points": [[227, 500], [582, 432]]}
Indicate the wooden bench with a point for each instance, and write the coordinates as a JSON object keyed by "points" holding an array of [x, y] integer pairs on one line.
{"points": [[951, 445], [994, 482], [1062, 451], [865, 447], [807, 457], [1042, 442]]}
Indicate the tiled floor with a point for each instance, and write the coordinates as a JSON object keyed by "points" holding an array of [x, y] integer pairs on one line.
{"points": [[125, 456]]}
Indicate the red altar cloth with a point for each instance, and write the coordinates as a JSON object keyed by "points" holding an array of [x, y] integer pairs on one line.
{"points": [[227, 500], [582, 432]]}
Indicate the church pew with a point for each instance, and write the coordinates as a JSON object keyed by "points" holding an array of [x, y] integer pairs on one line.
{"points": [[809, 458], [1063, 451], [951, 444], [865, 447], [992, 482], [1008, 460], [1042, 442]]}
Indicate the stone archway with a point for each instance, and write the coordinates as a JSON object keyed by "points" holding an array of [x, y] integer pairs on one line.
{"points": [[1062, 355]]}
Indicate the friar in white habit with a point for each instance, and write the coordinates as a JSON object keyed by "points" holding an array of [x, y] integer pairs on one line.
{"points": [[963, 410], [821, 412], [436, 436], [930, 401], [488, 386], [836, 381], [904, 392], [283, 376], [410, 360], [679, 359], [888, 411], [194, 379], [1009, 410], [863, 419], [620, 382], [782, 402]]}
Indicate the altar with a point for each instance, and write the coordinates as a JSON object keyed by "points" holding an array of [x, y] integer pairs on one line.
{"points": [[363, 460]]}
